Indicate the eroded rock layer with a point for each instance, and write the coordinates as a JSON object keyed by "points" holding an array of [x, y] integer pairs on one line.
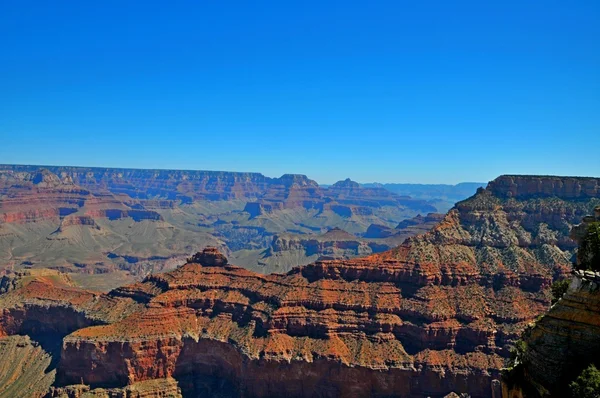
{"points": [[94, 221], [432, 316], [559, 345]]}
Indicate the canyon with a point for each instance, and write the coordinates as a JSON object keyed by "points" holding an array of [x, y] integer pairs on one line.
{"points": [[437, 314], [559, 345], [106, 226]]}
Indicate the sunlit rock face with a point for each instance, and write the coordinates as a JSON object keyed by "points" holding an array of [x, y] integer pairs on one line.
{"points": [[434, 315], [566, 339]]}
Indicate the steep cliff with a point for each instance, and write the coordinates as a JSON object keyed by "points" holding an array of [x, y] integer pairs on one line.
{"points": [[558, 346], [25, 368], [292, 334], [42, 195], [291, 190], [435, 315], [98, 221]]}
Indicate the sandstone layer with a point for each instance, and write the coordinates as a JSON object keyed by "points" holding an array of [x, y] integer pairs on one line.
{"points": [[125, 222], [564, 341], [435, 315]]}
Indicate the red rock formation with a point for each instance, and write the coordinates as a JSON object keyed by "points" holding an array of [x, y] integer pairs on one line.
{"points": [[334, 244], [159, 186], [561, 344], [186, 201], [435, 315], [42, 195], [281, 329], [522, 186]]}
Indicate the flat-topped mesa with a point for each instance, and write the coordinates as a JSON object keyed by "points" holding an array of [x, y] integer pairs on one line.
{"points": [[430, 218], [346, 184], [209, 257], [298, 179], [522, 187]]}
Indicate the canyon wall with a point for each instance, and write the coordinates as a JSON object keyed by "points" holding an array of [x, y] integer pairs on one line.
{"points": [[104, 221], [564, 341], [435, 315]]}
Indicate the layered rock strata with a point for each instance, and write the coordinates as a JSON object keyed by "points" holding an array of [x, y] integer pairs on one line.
{"points": [[186, 186], [435, 315], [95, 220], [564, 341]]}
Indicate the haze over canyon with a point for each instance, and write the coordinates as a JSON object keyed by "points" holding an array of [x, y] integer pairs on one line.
{"points": [[128, 222], [375, 294]]}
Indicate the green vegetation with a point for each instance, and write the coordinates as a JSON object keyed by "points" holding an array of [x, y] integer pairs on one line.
{"points": [[559, 288], [513, 373], [589, 249], [587, 385], [517, 353]]}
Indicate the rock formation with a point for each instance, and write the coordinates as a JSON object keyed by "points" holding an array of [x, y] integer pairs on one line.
{"points": [[442, 196], [565, 340], [405, 229], [98, 221], [435, 315], [289, 190], [47, 220]]}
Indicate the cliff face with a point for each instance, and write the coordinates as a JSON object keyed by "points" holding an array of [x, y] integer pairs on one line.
{"points": [[436, 314], [97, 220], [524, 187], [23, 368], [564, 341], [166, 184], [41, 195], [291, 190], [351, 334]]}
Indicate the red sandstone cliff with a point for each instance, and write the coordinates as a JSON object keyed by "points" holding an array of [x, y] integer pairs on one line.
{"points": [[42, 195], [435, 315]]}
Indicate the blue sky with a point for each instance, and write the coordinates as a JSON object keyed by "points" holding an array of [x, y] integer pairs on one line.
{"points": [[390, 91]]}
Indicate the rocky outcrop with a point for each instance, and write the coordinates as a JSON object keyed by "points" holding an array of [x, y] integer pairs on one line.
{"points": [[156, 388], [296, 334], [335, 243], [435, 315], [378, 231], [209, 257], [564, 341], [72, 218], [25, 368], [523, 187], [256, 209]]}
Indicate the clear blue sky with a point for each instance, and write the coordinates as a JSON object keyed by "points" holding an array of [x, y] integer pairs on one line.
{"points": [[396, 91]]}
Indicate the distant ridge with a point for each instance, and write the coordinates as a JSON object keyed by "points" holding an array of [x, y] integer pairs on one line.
{"points": [[442, 196]]}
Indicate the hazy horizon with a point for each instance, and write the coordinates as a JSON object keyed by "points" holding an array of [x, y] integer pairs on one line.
{"points": [[277, 176]]}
